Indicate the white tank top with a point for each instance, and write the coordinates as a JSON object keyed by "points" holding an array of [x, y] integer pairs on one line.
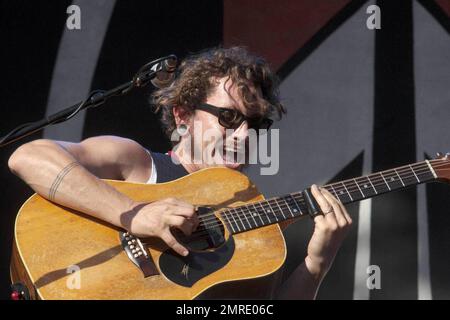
{"points": [[153, 174]]}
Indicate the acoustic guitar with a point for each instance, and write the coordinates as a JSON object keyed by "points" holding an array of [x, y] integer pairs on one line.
{"points": [[237, 251]]}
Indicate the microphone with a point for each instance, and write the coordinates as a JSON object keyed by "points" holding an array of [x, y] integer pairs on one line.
{"points": [[166, 74]]}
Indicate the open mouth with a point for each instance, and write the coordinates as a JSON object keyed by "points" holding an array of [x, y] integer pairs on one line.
{"points": [[230, 155], [233, 157]]}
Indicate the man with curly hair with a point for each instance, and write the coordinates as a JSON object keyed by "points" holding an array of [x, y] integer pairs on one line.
{"points": [[227, 91]]}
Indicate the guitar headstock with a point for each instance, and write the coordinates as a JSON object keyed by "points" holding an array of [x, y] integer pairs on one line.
{"points": [[441, 166]]}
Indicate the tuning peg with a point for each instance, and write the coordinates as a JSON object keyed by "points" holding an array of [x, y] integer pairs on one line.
{"points": [[447, 155], [439, 155]]}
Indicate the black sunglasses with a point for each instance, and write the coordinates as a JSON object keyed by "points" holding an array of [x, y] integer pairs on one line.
{"points": [[232, 118]]}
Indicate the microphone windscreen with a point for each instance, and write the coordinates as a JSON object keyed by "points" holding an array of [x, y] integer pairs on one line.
{"points": [[166, 75]]}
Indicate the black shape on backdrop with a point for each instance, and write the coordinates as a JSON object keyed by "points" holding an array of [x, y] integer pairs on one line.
{"points": [[160, 72], [28, 25], [394, 218]]}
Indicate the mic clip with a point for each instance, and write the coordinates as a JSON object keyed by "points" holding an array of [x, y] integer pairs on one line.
{"points": [[148, 72]]}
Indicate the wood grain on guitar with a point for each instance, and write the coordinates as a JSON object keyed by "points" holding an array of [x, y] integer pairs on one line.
{"points": [[49, 239]]}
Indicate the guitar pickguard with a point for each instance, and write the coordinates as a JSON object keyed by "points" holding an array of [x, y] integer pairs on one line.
{"points": [[186, 271]]}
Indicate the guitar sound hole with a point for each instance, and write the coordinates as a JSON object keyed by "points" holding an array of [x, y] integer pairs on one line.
{"points": [[210, 233]]}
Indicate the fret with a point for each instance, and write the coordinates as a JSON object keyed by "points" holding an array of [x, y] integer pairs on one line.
{"points": [[405, 176], [245, 216], [368, 178], [359, 188], [367, 186], [239, 217], [282, 213], [351, 198], [381, 173], [227, 219], [299, 202], [335, 193], [340, 193], [408, 176], [393, 179], [431, 169], [399, 177], [254, 214], [259, 213], [296, 209], [289, 208], [265, 211], [415, 175], [236, 224], [233, 220], [270, 210], [343, 194], [424, 172]]}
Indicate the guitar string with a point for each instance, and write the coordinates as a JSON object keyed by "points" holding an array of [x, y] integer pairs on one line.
{"points": [[280, 205], [378, 182], [204, 233], [251, 214], [275, 201], [351, 189], [267, 203]]}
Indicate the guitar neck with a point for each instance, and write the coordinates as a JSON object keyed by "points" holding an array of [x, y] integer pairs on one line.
{"points": [[290, 206], [369, 186]]}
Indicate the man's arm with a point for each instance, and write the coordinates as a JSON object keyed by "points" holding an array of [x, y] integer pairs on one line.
{"points": [[68, 173]]}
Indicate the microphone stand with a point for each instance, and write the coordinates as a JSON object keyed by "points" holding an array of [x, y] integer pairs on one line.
{"points": [[96, 98]]}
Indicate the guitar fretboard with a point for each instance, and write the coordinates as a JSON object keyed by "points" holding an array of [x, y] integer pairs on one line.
{"points": [[278, 209]]}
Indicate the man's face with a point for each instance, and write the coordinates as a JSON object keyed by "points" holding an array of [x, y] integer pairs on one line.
{"points": [[217, 145]]}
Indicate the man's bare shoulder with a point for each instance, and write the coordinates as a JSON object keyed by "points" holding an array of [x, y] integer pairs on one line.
{"points": [[115, 143], [112, 157]]}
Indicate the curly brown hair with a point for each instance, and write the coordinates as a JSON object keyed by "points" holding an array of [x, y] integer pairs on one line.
{"points": [[195, 81]]}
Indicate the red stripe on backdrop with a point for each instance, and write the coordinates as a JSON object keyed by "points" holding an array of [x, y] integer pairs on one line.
{"points": [[445, 5], [276, 29]]}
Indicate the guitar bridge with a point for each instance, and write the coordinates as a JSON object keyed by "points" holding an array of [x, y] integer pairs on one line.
{"points": [[138, 254]]}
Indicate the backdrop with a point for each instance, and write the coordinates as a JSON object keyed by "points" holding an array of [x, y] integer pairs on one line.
{"points": [[358, 100]]}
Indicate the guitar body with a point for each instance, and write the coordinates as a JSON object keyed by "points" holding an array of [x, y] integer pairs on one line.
{"points": [[52, 241]]}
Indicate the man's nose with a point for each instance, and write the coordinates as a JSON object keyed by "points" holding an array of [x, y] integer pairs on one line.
{"points": [[242, 131], [240, 135]]}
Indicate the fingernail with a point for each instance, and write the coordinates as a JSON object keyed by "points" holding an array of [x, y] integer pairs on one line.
{"points": [[185, 253]]}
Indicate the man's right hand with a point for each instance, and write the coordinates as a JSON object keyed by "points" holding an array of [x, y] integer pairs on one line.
{"points": [[70, 174], [155, 220]]}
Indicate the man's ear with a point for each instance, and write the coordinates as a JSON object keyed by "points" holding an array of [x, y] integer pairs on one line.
{"points": [[181, 115]]}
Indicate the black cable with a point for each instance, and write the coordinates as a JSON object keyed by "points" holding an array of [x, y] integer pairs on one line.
{"points": [[14, 131], [82, 104], [143, 72]]}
